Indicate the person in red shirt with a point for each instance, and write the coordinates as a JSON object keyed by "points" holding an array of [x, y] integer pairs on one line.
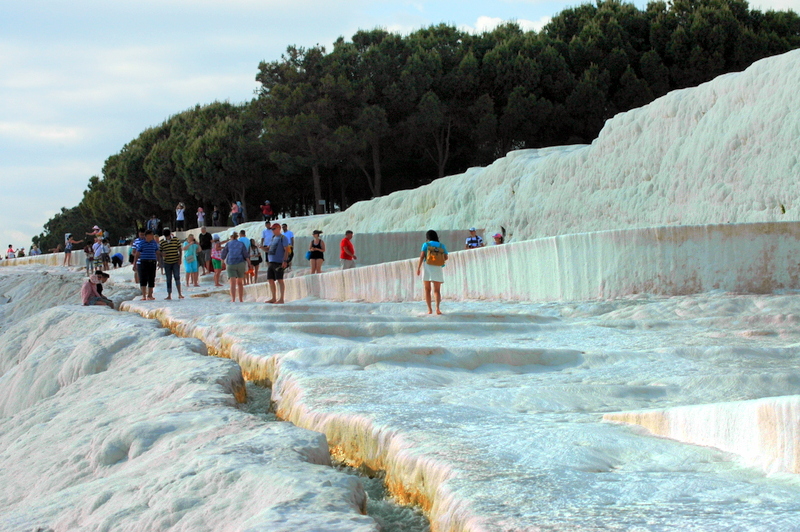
{"points": [[348, 251], [266, 211]]}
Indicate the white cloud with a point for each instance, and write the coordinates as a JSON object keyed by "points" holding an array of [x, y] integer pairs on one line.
{"points": [[486, 24], [42, 132]]}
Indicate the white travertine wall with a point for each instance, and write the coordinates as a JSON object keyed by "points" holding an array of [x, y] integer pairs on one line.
{"points": [[764, 432], [751, 258]]}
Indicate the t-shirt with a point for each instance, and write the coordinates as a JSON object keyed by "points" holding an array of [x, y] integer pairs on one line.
{"points": [[434, 244], [205, 240], [235, 252], [118, 256], [179, 214], [245, 240], [266, 236], [191, 250], [474, 241], [97, 247], [147, 250], [347, 245], [277, 248], [290, 236], [171, 251]]}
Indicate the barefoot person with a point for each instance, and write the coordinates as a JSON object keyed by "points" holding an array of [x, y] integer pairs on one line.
{"points": [[237, 260], [147, 256], [317, 252], [432, 259], [68, 243], [90, 294], [190, 253], [276, 258], [171, 255], [216, 259]]}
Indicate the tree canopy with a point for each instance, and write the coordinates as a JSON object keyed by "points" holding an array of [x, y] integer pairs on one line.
{"points": [[383, 112]]}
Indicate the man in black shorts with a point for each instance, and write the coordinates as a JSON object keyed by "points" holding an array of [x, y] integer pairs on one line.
{"points": [[276, 256]]}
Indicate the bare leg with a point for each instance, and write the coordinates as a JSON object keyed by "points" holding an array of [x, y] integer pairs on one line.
{"points": [[232, 281], [272, 290], [427, 291], [240, 284], [437, 294], [282, 289]]}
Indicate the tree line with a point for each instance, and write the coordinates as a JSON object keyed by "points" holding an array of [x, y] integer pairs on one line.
{"points": [[383, 112]]}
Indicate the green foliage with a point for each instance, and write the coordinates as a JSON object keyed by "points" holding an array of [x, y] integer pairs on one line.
{"points": [[382, 112]]}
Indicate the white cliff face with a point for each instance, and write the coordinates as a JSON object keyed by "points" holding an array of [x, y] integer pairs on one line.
{"points": [[723, 152]]}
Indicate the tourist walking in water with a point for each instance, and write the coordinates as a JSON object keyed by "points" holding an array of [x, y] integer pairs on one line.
{"points": [[277, 253], [68, 243], [316, 252], [147, 256], [431, 260], [171, 256], [190, 252], [237, 260], [347, 251]]}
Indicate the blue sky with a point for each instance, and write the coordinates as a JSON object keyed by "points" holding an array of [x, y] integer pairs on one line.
{"points": [[79, 79]]}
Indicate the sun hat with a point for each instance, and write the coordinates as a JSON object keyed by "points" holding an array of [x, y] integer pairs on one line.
{"points": [[472, 229], [95, 227], [275, 226], [497, 235], [215, 237]]}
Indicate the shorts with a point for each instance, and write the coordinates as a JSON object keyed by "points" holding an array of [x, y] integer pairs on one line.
{"points": [[255, 261], [275, 271], [432, 273], [317, 255], [206, 255], [347, 264], [216, 264], [236, 271], [190, 266], [95, 300], [68, 252], [105, 257], [147, 273]]}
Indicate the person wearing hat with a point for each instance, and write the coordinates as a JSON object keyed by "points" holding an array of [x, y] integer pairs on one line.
{"points": [[498, 239], [474, 241], [316, 252]]}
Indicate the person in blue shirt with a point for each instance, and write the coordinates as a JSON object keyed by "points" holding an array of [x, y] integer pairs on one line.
{"points": [[237, 259], [277, 258], [433, 256], [146, 258]]}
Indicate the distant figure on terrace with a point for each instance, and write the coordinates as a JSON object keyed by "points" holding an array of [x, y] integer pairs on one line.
{"points": [[474, 240], [347, 251], [152, 224], [180, 217], [235, 214], [91, 290], [21, 252], [35, 250], [432, 259], [316, 252], [201, 217], [68, 243], [498, 239], [215, 217], [96, 231], [266, 211]]}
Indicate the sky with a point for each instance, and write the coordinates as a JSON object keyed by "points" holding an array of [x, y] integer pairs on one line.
{"points": [[80, 79]]}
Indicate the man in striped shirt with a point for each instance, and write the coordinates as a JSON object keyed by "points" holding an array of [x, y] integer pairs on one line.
{"points": [[146, 259], [171, 257]]}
